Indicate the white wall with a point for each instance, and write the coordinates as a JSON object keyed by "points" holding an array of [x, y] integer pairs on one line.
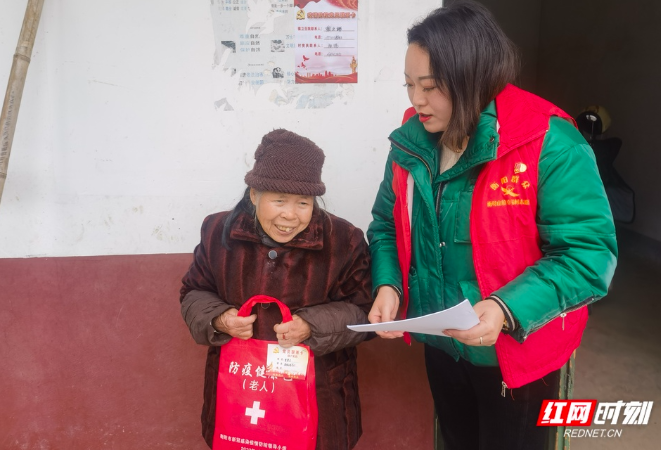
{"points": [[119, 149]]}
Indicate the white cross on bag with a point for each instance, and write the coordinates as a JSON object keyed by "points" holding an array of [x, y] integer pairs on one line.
{"points": [[255, 413]]}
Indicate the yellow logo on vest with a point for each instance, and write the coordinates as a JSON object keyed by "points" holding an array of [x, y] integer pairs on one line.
{"points": [[509, 190], [508, 187]]}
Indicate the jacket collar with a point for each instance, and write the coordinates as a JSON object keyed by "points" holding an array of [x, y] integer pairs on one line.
{"points": [[482, 145], [412, 138], [245, 228]]}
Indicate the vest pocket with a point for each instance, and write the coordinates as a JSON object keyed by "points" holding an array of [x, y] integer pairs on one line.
{"points": [[462, 220]]}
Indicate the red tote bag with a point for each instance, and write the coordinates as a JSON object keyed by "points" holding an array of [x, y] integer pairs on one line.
{"points": [[255, 410]]}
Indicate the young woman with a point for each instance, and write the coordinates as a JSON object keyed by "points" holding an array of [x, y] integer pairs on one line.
{"points": [[490, 194]]}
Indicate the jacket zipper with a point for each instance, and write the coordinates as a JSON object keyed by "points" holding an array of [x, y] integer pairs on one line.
{"points": [[431, 179], [438, 198], [562, 314]]}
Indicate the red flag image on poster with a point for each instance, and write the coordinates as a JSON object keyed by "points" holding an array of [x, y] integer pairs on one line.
{"points": [[266, 393], [326, 41]]}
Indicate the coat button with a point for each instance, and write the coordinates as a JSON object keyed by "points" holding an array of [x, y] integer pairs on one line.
{"points": [[273, 254], [442, 244]]}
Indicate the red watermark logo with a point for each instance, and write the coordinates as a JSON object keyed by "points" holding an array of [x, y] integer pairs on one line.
{"points": [[559, 413], [581, 413]]}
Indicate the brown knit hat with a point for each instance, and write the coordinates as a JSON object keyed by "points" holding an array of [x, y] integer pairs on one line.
{"points": [[287, 162]]}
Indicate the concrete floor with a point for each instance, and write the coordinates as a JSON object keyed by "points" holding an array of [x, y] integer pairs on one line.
{"points": [[620, 356]]}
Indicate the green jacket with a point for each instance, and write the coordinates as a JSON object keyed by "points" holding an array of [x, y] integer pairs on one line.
{"points": [[574, 222]]}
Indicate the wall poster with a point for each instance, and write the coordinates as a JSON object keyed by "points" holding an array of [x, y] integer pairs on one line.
{"points": [[326, 41], [284, 53]]}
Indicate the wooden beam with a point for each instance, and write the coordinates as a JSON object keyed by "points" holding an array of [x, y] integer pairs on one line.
{"points": [[19, 70]]}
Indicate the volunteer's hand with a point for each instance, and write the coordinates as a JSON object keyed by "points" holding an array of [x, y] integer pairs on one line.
{"points": [[385, 309], [292, 333], [238, 327], [491, 322]]}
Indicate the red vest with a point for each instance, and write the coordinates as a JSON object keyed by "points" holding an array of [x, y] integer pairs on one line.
{"points": [[504, 232]]}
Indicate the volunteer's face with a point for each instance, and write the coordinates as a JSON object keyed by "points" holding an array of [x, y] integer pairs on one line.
{"points": [[282, 216], [434, 108]]}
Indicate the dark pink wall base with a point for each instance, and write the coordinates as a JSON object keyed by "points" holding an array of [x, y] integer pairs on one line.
{"points": [[94, 354]]}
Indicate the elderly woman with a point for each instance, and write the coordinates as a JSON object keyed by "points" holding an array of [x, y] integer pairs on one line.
{"points": [[277, 241]]}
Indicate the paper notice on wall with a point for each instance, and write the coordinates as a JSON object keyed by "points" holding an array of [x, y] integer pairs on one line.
{"points": [[326, 41], [256, 53], [255, 40]]}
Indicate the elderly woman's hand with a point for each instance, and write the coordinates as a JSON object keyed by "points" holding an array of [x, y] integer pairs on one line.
{"points": [[292, 333], [486, 332], [385, 309], [238, 327]]}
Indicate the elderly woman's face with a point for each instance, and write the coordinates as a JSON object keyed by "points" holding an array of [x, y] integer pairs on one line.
{"points": [[282, 216]]}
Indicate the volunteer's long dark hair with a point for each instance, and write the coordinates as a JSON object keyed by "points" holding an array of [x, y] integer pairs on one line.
{"points": [[245, 205], [471, 60]]}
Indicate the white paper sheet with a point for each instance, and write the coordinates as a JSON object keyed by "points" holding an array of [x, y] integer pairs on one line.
{"points": [[459, 317]]}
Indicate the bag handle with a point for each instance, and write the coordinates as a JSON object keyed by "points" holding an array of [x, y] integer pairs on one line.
{"points": [[245, 309]]}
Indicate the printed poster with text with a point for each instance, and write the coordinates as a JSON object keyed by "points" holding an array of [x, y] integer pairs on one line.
{"points": [[326, 41]]}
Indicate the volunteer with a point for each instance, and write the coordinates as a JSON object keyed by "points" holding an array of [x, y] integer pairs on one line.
{"points": [[490, 194]]}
